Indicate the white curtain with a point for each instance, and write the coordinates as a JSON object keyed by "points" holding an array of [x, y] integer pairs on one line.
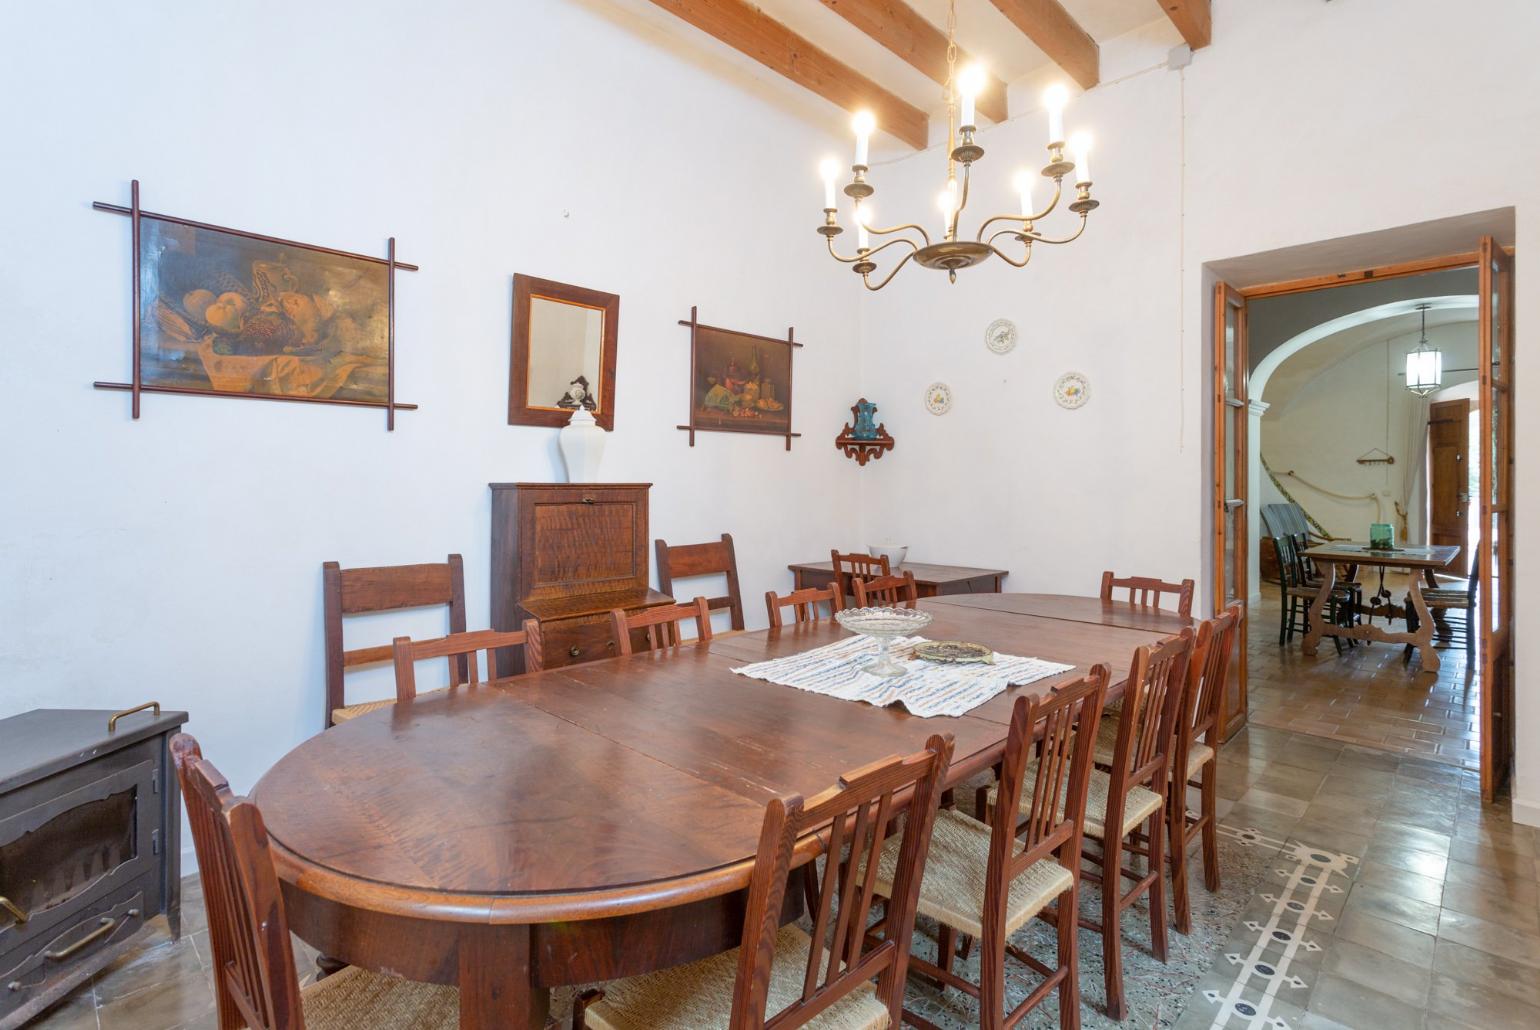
{"points": [[1414, 481]]}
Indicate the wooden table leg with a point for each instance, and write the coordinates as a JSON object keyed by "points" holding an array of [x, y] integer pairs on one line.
{"points": [[1423, 638], [496, 992], [1318, 607]]}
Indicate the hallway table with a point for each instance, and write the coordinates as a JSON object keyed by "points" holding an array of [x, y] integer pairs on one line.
{"points": [[598, 820]]}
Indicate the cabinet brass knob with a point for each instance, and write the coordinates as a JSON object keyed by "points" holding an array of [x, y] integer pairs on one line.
{"points": [[574, 651]]}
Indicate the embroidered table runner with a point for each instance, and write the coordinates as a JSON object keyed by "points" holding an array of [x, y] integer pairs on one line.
{"points": [[926, 690]]}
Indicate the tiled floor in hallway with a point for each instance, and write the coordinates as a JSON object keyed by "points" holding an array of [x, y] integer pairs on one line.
{"points": [[1369, 694], [1425, 913]]}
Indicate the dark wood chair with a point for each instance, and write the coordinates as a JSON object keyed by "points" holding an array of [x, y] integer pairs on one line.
{"points": [[253, 960], [886, 591], [803, 604], [848, 566], [460, 649], [688, 561], [1146, 592], [1296, 592], [660, 625], [1198, 735], [1126, 810], [1441, 600], [785, 963], [987, 880], [380, 589]]}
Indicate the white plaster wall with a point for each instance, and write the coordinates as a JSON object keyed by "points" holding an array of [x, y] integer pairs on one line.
{"points": [[178, 557], [1320, 429], [1303, 122]]}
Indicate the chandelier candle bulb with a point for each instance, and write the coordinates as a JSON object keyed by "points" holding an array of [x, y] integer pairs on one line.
{"points": [[1054, 99], [864, 124], [1024, 187], [1080, 146], [970, 84], [829, 170]]}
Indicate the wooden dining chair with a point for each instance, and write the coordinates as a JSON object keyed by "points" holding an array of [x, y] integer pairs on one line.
{"points": [[660, 625], [1126, 810], [778, 975], [253, 960], [1198, 736], [380, 589], [848, 566], [803, 604], [1146, 592], [689, 561], [986, 880], [460, 649], [886, 591]]}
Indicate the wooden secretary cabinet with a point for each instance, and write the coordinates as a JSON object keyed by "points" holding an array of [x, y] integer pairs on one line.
{"points": [[565, 555]]}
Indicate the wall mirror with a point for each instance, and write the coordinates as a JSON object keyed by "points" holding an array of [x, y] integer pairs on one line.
{"points": [[564, 341]]}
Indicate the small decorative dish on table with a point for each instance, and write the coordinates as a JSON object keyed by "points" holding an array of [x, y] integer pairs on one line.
{"points": [[954, 652], [883, 625]]}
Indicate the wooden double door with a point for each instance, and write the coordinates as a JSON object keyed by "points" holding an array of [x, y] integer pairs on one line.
{"points": [[1492, 506]]}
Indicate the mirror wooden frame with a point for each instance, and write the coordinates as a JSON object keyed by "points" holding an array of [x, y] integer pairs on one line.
{"points": [[525, 289]]}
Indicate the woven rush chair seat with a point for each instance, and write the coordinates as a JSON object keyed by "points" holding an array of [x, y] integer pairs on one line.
{"points": [[365, 707], [956, 873], [699, 996], [1142, 803], [1199, 755], [355, 999]]}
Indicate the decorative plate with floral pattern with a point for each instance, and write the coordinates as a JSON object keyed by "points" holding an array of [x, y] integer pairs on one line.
{"points": [[1000, 337], [938, 398], [1072, 390]]}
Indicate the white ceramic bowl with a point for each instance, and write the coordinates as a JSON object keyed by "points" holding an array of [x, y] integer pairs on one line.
{"points": [[893, 552]]}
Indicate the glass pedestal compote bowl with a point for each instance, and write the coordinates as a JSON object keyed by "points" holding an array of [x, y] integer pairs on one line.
{"points": [[883, 625]]}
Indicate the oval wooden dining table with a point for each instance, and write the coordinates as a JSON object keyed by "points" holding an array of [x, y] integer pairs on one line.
{"points": [[601, 820]]}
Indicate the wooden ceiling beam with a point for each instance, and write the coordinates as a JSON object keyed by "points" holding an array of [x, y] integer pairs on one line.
{"points": [[1057, 34], [755, 34], [1193, 19], [902, 30]]}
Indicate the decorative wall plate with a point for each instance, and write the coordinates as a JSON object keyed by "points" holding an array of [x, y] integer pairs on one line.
{"points": [[1000, 337], [1071, 390], [938, 398]]}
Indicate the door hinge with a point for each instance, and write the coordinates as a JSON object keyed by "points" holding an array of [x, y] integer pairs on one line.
{"points": [[154, 842]]}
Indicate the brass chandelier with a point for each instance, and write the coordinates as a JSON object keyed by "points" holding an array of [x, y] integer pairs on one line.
{"points": [[952, 252]]}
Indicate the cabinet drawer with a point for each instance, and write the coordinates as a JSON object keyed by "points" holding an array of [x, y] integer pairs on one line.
{"points": [[570, 641], [31, 977]]}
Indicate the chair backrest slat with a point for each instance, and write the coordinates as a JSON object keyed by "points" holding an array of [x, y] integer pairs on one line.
{"points": [[803, 604], [689, 561], [855, 815], [1051, 743], [1147, 721], [383, 588], [1207, 671], [886, 591], [460, 650], [660, 625], [1146, 592], [254, 980], [847, 566]]}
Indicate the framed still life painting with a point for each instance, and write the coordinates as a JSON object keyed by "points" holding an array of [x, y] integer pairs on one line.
{"points": [[226, 312], [564, 349], [739, 382]]}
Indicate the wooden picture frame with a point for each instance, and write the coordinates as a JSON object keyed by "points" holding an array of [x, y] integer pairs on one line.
{"points": [[553, 346], [736, 381], [221, 312]]}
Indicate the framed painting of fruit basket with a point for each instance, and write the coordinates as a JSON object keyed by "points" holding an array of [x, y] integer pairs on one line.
{"points": [[231, 313], [739, 382]]}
